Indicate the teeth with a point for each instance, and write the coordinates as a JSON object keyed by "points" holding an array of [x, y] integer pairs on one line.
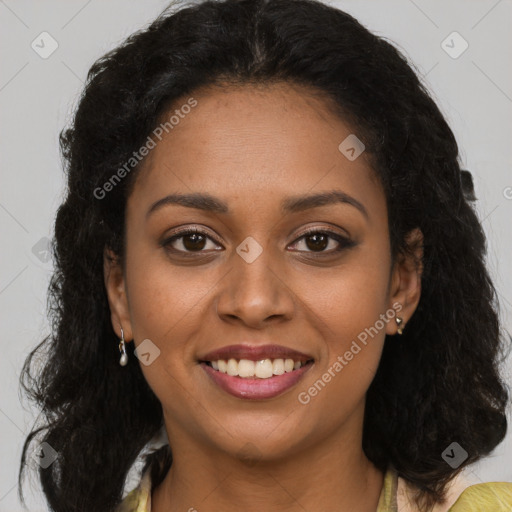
{"points": [[245, 368], [263, 369], [232, 367], [278, 367]]}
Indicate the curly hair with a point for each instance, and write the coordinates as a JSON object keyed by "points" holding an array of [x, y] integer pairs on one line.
{"points": [[438, 383]]}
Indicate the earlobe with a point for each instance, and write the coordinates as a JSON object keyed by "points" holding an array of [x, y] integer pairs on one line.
{"points": [[116, 292], [406, 281]]}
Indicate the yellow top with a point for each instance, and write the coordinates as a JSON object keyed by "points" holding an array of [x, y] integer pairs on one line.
{"points": [[484, 497]]}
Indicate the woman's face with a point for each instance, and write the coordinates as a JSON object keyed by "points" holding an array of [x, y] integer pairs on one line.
{"points": [[252, 170]]}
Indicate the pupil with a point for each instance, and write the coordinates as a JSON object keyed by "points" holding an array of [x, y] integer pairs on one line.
{"points": [[194, 242], [317, 242]]}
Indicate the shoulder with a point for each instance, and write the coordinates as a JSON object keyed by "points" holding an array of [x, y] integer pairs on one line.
{"points": [[463, 495], [486, 497], [139, 499]]}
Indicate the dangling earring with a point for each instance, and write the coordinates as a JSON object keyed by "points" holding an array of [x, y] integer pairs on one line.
{"points": [[399, 321], [123, 361]]}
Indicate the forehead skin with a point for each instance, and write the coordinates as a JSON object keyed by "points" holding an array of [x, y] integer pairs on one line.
{"points": [[257, 143]]}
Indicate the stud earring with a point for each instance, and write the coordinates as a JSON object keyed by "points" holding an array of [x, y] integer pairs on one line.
{"points": [[399, 321], [123, 360]]}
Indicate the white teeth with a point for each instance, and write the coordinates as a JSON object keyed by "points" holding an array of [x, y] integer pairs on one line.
{"points": [[278, 367], [233, 367], [245, 368], [263, 369]]}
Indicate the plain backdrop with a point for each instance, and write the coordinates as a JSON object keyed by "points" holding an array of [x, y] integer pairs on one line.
{"points": [[473, 88]]}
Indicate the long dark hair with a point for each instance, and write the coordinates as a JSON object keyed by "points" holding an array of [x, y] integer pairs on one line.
{"points": [[437, 384]]}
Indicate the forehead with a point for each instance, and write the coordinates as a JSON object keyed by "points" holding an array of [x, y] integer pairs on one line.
{"points": [[256, 143]]}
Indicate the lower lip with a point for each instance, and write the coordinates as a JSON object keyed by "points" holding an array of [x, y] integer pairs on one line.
{"points": [[256, 389]]}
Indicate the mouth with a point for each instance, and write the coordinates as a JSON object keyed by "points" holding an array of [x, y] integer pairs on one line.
{"points": [[256, 373], [261, 369]]}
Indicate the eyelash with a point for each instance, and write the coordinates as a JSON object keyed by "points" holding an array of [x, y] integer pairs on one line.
{"points": [[344, 242]]}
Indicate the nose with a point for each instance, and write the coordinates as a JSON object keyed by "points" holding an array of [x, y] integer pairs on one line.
{"points": [[255, 294]]}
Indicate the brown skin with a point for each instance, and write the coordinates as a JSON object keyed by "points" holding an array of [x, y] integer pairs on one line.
{"points": [[252, 148]]}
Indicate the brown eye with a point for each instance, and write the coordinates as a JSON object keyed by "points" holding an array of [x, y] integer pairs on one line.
{"points": [[190, 241], [317, 242], [322, 242], [194, 242]]}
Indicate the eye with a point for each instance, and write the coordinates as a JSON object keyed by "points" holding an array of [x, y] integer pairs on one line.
{"points": [[321, 241], [190, 240], [194, 240]]}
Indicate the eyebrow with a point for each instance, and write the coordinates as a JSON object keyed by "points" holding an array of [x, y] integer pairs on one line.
{"points": [[293, 204]]}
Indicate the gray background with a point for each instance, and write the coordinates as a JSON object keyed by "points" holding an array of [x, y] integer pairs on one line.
{"points": [[37, 95]]}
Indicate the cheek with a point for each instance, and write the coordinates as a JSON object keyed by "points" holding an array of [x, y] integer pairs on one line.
{"points": [[167, 307], [349, 306], [163, 297], [349, 298], [352, 349]]}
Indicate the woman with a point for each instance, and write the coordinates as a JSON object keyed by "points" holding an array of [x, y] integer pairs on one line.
{"points": [[266, 250]]}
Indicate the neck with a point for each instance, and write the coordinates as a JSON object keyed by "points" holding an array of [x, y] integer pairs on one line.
{"points": [[331, 475]]}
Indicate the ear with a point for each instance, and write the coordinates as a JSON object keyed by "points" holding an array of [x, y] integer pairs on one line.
{"points": [[405, 289], [116, 291]]}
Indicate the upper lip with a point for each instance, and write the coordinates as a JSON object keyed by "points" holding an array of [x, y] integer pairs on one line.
{"points": [[255, 353]]}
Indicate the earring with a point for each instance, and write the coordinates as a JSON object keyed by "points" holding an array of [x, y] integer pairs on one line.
{"points": [[123, 360], [399, 321]]}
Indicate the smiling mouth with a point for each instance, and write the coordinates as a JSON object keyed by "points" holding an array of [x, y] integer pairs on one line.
{"points": [[260, 369]]}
